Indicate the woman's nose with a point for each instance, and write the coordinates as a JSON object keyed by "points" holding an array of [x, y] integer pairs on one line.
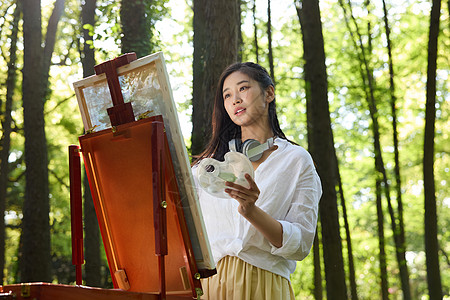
{"points": [[237, 99]]}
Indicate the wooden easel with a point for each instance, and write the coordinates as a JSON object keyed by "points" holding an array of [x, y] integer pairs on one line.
{"points": [[122, 177]]}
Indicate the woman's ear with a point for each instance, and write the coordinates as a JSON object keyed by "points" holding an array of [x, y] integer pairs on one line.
{"points": [[270, 94]]}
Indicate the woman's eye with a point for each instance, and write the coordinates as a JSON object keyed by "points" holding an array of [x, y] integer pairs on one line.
{"points": [[243, 88], [226, 96]]}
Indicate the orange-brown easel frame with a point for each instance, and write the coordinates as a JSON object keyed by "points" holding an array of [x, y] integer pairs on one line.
{"points": [[136, 197], [140, 180]]}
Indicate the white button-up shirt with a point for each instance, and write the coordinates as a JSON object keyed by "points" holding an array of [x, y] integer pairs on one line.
{"points": [[290, 190]]}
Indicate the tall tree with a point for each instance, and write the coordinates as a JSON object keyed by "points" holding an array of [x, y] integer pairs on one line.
{"points": [[398, 181], [91, 229], [255, 31], [136, 27], [35, 260], [384, 285], [378, 159], [378, 191], [318, 291], [351, 265], [369, 90], [431, 242], [216, 30], [5, 140], [269, 38], [321, 144], [50, 39], [240, 39]]}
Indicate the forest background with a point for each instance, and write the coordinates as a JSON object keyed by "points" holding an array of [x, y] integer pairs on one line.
{"points": [[387, 225]]}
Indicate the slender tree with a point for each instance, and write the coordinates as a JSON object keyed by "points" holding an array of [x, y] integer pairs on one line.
{"points": [[398, 186], [351, 264], [431, 241], [5, 141], [255, 32], [240, 39], [216, 31], [269, 45], [91, 229], [318, 290], [369, 87], [380, 218], [50, 39], [321, 144], [384, 285]]}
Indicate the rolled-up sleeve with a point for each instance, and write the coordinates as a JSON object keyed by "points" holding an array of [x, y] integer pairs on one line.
{"points": [[299, 226]]}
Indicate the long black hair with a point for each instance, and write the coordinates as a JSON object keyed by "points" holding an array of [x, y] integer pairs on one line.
{"points": [[223, 128]]}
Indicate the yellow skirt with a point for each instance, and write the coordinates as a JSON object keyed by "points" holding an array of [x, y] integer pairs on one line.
{"points": [[238, 280]]}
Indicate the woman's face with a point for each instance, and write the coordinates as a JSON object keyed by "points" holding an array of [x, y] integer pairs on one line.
{"points": [[244, 100]]}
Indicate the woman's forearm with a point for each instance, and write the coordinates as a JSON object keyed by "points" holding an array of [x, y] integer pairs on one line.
{"points": [[266, 224]]}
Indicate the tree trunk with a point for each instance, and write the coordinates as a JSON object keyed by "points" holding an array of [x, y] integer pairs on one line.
{"points": [[50, 39], [35, 261], [431, 241], [92, 256], [379, 165], [35, 264], [448, 12], [269, 37], [240, 39], [92, 244], [5, 141], [255, 34], [381, 245], [88, 55], [136, 27], [322, 146], [398, 186], [351, 265], [369, 87], [215, 47], [318, 291]]}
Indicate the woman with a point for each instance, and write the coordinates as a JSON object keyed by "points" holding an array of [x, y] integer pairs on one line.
{"points": [[258, 235]]}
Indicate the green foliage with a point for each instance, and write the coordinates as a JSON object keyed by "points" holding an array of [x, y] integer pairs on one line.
{"points": [[303, 279]]}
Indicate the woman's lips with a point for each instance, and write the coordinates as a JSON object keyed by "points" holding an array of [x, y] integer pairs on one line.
{"points": [[239, 111]]}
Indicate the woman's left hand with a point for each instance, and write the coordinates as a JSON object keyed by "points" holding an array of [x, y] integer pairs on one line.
{"points": [[245, 196], [267, 225]]}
